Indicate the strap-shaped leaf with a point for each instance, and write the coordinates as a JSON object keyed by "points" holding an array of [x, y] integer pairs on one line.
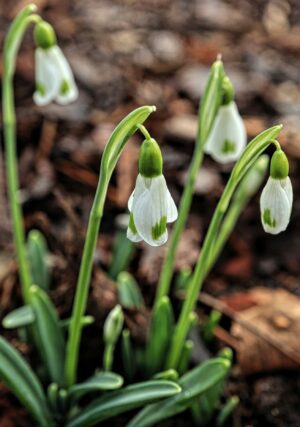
{"points": [[161, 329], [21, 380], [122, 252], [18, 318], [98, 382], [194, 383], [52, 345], [24, 316], [120, 401], [129, 292], [37, 255]]}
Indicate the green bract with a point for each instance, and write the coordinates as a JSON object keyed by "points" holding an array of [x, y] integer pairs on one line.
{"points": [[113, 325], [279, 168], [44, 35], [150, 161]]}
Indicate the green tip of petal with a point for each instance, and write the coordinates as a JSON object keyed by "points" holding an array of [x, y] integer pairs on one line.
{"points": [[279, 165], [41, 88], [131, 225], [64, 87], [228, 147], [159, 228], [267, 219]]}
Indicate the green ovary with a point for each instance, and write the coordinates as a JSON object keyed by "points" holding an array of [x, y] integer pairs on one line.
{"points": [[131, 225], [267, 218], [64, 88], [159, 228], [228, 147]]}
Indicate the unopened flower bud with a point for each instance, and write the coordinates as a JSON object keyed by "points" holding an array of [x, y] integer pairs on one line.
{"points": [[113, 325]]}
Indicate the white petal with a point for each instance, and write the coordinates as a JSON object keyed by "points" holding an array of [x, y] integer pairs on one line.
{"points": [[275, 207], [46, 77], [66, 77], [287, 186], [140, 187], [130, 201], [150, 212], [133, 237], [172, 212], [228, 137]]}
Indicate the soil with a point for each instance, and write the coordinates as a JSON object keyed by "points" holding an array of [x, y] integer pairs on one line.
{"points": [[130, 53]]}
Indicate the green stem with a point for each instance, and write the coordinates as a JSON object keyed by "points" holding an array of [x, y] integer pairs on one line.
{"points": [[126, 128], [144, 131], [11, 46], [226, 229], [82, 287], [108, 356], [250, 155], [184, 207], [207, 112]]}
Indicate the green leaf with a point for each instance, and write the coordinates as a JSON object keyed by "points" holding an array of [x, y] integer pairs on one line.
{"points": [[85, 321], [129, 292], [185, 357], [227, 409], [98, 382], [210, 325], [21, 380], [128, 356], [38, 255], [20, 317], [122, 252], [128, 398], [209, 401], [52, 345], [161, 330], [196, 382], [211, 100]]}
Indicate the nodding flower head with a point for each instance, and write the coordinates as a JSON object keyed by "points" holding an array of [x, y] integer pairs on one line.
{"points": [[227, 139], [151, 205], [54, 77], [277, 196]]}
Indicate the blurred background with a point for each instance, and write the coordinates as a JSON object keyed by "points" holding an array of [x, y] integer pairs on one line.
{"points": [[129, 53]]}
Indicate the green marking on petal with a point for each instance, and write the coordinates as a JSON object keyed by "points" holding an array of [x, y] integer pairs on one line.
{"points": [[131, 225], [64, 87], [267, 218], [159, 228], [228, 147], [40, 88]]}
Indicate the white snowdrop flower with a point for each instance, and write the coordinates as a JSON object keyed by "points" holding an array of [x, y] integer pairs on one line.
{"points": [[54, 77], [277, 197], [227, 139], [151, 205]]}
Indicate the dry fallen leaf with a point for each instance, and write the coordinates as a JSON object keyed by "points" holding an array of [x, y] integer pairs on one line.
{"points": [[267, 327]]}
